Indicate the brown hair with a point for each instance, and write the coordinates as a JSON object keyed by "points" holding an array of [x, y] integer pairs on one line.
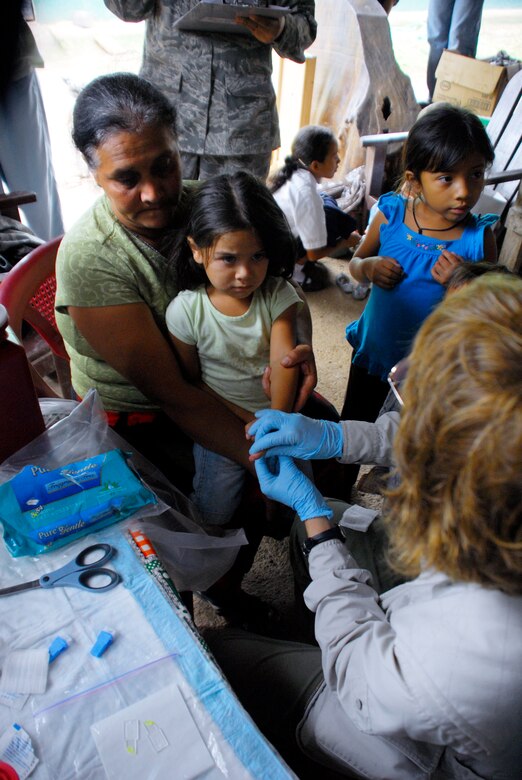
{"points": [[458, 507], [468, 271]]}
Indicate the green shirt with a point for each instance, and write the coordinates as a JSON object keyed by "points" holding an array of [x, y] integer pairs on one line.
{"points": [[233, 351], [100, 263]]}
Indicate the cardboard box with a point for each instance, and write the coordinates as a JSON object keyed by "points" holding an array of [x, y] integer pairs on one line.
{"points": [[472, 84]]}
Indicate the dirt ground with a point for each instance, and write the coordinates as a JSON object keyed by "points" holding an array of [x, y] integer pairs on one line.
{"points": [[332, 310]]}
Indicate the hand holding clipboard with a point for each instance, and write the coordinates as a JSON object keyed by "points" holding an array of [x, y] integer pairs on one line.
{"points": [[227, 17]]}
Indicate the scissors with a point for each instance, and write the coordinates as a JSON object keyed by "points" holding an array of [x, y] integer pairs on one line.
{"points": [[77, 573]]}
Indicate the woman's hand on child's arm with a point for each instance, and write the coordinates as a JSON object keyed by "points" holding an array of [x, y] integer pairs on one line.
{"points": [[445, 265], [283, 383]]}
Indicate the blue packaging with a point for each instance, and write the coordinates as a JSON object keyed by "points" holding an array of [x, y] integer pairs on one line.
{"points": [[42, 509], [35, 486]]}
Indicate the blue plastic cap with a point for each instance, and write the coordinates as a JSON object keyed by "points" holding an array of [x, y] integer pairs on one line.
{"points": [[103, 641], [57, 646]]}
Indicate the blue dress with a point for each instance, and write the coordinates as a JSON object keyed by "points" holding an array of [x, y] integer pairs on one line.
{"points": [[384, 332]]}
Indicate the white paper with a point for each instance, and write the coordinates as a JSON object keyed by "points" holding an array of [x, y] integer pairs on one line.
{"points": [[185, 749], [25, 671], [16, 749], [358, 518]]}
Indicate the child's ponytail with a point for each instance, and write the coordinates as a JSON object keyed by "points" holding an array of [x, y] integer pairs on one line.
{"points": [[285, 173], [312, 142]]}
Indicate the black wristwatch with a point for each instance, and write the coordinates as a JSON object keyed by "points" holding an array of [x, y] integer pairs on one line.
{"points": [[324, 536]]}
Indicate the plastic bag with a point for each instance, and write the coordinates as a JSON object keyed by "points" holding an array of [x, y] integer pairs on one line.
{"points": [[55, 409], [194, 556], [42, 509], [353, 190]]}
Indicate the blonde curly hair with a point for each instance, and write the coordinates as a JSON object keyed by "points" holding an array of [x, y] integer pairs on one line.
{"points": [[458, 507]]}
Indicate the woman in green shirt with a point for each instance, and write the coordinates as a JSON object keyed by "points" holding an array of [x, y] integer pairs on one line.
{"points": [[114, 283]]}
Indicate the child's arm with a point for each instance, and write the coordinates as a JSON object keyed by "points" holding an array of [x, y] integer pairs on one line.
{"points": [[188, 359], [283, 381], [368, 266], [325, 251]]}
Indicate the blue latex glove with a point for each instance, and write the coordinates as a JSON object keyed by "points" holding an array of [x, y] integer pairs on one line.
{"points": [[295, 435], [281, 480]]}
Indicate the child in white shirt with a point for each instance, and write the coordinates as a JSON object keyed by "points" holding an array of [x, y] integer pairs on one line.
{"points": [[320, 226]]}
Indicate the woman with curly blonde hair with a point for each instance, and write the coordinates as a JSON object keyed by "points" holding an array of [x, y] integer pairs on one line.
{"points": [[423, 680], [458, 507]]}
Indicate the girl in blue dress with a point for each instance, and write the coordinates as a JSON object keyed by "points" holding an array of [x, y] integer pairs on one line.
{"points": [[412, 245]]}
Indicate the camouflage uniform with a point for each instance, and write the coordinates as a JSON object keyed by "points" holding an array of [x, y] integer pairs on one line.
{"points": [[220, 84]]}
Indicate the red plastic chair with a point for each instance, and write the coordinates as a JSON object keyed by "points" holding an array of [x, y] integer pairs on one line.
{"points": [[28, 292]]}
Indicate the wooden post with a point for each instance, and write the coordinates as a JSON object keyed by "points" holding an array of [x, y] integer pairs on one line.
{"points": [[511, 252]]}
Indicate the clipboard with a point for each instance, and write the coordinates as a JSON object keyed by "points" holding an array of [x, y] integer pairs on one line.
{"points": [[218, 16]]}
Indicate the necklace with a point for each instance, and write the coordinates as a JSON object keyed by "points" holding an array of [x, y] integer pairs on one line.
{"points": [[434, 230]]}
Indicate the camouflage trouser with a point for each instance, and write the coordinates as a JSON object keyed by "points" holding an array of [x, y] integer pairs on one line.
{"points": [[195, 166]]}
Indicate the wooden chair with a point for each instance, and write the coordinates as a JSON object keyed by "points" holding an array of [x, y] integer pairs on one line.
{"points": [[28, 292], [505, 136]]}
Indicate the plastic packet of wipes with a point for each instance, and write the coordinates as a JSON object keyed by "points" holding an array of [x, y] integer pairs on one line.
{"points": [[43, 509]]}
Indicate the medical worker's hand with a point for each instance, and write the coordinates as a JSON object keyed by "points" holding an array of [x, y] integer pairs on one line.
{"points": [[294, 435], [281, 480]]}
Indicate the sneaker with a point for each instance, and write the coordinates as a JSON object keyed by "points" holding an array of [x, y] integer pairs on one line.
{"points": [[345, 283], [316, 277], [315, 268], [312, 285], [360, 292]]}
